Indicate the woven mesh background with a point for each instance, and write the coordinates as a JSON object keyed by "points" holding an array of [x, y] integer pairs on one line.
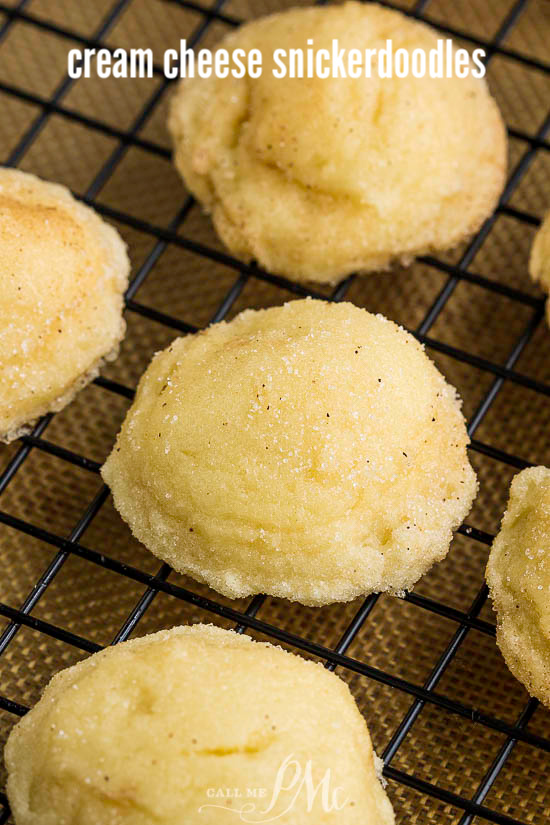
{"points": [[399, 637]]}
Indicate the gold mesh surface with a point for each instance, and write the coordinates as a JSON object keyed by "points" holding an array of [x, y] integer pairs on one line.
{"points": [[398, 637]]}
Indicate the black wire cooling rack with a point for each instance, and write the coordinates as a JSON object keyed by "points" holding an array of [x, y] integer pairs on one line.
{"points": [[421, 696]]}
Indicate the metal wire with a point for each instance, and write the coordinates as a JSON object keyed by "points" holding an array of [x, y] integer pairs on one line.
{"points": [[175, 235]]}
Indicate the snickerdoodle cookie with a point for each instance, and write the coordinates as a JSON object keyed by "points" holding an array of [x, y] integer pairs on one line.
{"points": [[194, 726], [539, 262], [518, 575], [319, 177], [63, 272], [311, 451]]}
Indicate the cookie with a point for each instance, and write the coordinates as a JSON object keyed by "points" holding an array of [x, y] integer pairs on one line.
{"points": [[194, 725], [63, 272], [311, 451], [316, 178], [518, 575], [539, 261]]}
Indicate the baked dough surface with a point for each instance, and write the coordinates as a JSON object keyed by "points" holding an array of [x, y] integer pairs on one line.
{"points": [[317, 178], [62, 275], [310, 451], [518, 575], [139, 733], [539, 262]]}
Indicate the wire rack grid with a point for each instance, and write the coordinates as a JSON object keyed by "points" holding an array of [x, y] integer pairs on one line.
{"points": [[448, 628]]}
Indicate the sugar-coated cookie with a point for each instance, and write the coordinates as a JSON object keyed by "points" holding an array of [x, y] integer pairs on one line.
{"points": [[317, 178], [311, 451], [193, 726], [539, 262], [518, 575], [63, 272]]}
